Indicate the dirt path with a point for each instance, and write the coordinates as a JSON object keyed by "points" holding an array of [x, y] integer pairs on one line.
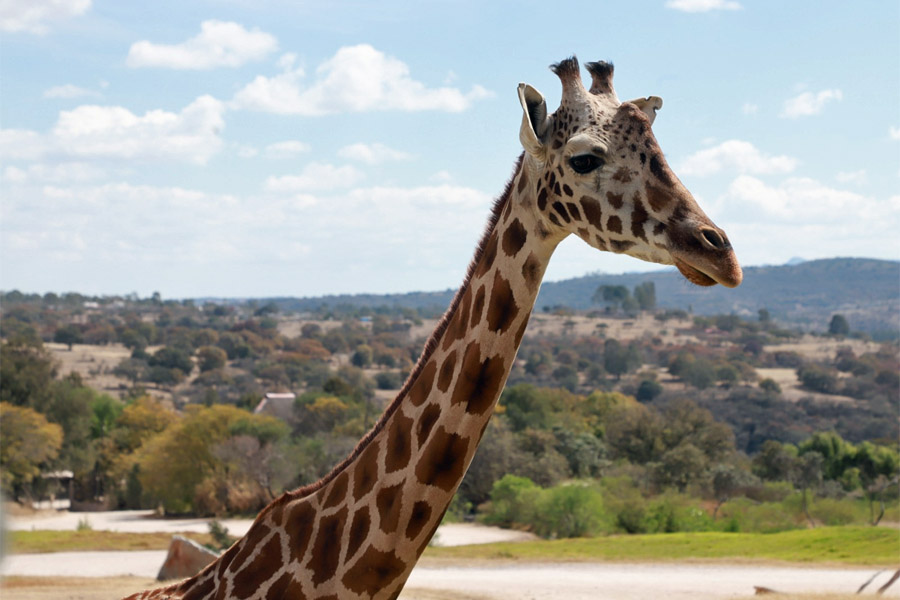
{"points": [[536, 581]]}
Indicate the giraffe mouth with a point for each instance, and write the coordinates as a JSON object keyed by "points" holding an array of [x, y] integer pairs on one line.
{"points": [[694, 275], [726, 272]]}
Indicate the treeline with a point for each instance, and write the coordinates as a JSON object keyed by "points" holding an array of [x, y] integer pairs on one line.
{"points": [[656, 432]]}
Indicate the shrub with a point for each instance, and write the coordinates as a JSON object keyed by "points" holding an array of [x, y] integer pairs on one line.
{"points": [[513, 500], [569, 510]]}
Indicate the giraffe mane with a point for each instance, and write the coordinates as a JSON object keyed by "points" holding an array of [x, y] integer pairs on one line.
{"points": [[430, 345]]}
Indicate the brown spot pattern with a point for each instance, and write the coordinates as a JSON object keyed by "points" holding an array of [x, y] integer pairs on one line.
{"points": [[264, 565], [573, 210], [398, 444], [657, 198], [443, 461], [253, 539], [278, 589], [420, 389], [202, 591], [326, 550], [639, 216], [388, 501], [426, 422], [359, 530], [621, 246], [418, 519], [338, 490], [615, 200], [592, 211], [478, 306], [299, 526], [614, 224], [446, 375], [479, 381], [502, 309], [514, 238], [375, 570], [559, 208], [531, 272], [366, 472]]}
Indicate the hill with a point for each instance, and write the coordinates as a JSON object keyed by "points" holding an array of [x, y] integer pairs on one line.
{"points": [[805, 295]]}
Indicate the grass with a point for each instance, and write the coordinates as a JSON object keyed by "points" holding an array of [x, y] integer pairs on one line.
{"points": [[30, 542], [842, 545]]}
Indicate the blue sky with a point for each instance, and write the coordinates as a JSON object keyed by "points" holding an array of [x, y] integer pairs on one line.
{"points": [[238, 148]]}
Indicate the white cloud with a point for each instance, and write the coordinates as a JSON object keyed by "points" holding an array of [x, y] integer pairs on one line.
{"points": [[35, 16], [809, 103], [356, 79], [115, 132], [803, 217], [219, 44], [92, 131], [286, 149], [799, 200], [737, 155], [21, 144], [67, 172], [372, 154], [315, 177], [856, 177], [69, 91], [749, 108], [697, 6], [894, 132]]}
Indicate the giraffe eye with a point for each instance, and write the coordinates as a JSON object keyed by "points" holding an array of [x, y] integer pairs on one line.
{"points": [[585, 163]]}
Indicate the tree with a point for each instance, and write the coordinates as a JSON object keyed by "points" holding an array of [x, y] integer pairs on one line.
{"points": [[210, 358], [838, 325], [619, 359], [645, 295], [728, 480], [28, 442], [69, 335], [171, 357], [614, 295], [26, 370], [775, 461], [808, 476]]}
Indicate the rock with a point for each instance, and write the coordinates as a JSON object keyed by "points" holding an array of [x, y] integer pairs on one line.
{"points": [[185, 559]]}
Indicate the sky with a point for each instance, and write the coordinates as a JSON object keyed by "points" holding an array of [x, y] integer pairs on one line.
{"points": [[253, 148]]}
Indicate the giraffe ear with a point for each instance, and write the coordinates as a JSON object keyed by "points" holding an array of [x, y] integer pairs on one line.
{"points": [[649, 106], [534, 119]]}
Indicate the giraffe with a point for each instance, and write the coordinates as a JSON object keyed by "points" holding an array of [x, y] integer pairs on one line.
{"points": [[594, 169]]}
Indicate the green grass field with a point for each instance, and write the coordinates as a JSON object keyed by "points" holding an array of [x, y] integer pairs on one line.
{"points": [[28, 542], [842, 545]]}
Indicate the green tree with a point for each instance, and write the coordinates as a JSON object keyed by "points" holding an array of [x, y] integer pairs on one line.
{"points": [[645, 295], [839, 325], [613, 295], [210, 358], [27, 371], [28, 443], [170, 357], [69, 335]]}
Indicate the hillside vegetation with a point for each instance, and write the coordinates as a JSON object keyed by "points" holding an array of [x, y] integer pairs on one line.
{"points": [[625, 419]]}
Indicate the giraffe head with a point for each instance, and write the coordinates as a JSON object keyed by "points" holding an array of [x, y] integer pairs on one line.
{"points": [[599, 173]]}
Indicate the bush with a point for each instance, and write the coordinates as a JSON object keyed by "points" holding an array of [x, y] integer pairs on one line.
{"points": [[569, 510], [513, 500]]}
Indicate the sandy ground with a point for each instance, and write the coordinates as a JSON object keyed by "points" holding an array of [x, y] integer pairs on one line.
{"points": [[498, 581], [77, 575]]}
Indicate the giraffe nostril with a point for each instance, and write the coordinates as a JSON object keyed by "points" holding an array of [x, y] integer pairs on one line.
{"points": [[713, 238]]}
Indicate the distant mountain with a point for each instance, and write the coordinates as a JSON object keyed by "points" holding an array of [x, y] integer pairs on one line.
{"points": [[803, 294]]}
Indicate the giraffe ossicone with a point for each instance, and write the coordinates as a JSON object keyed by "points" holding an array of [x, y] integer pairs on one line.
{"points": [[593, 168]]}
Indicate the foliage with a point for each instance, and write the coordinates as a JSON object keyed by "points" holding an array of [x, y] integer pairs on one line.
{"points": [[27, 444]]}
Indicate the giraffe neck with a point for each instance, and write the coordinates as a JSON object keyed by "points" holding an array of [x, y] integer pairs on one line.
{"points": [[361, 529]]}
